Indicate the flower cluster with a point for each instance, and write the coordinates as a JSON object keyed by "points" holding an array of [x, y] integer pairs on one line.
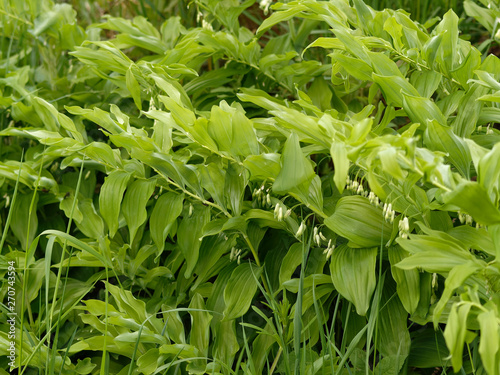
{"points": [[329, 249], [278, 212], [235, 255], [206, 25], [263, 198], [264, 5], [301, 229], [372, 197], [404, 227], [464, 218], [388, 212], [356, 187], [318, 236]]}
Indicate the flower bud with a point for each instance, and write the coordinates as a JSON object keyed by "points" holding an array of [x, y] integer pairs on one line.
{"points": [[301, 229], [280, 214]]}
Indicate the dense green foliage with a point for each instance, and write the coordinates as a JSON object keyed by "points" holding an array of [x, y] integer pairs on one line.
{"points": [[311, 188]]}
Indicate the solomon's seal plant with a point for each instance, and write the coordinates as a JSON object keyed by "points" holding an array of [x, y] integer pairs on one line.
{"points": [[290, 194]]}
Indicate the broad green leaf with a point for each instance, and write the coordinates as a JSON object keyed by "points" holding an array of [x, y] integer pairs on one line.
{"points": [[225, 344], [240, 290], [174, 325], [475, 238], [134, 88], [447, 55], [91, 224], [455, 279], [134, 204], [489, 172], [389, 159], [78, 244], [110, 198], [353, 275], [24, 223], [148, 362], [341, 164], [234, 187], [490, 341], [189, 236], [355, 67], [211, 251], [291, 261], [134, 308], [455, 333], [278, 17], [422, 110], [473, 199], [54, 120], [98, 116], [441, 138], [432, 254], [320, 94], [426, 82], [469, 109], [295, 167], [244, 141], [359, 221], [428, 349], [200, 324], [394, 338], [167, 209], [263, 166], [483, 15], [220, 128], [394, 88], [407, 281]]}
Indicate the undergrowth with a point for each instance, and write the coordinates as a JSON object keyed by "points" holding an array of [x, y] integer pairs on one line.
{"points": [[234, 187]]}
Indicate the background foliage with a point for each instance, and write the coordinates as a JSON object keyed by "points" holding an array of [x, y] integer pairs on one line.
{"points": [[232, 187]]}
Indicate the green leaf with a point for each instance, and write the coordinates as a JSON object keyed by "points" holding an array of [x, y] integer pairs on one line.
{"points": [[441, 138], [234, 187], [473, 199], [290, 262], [24, 223], [407, 281], [278, 17], [490, 341], [422, 110], [110, 198], [134, 204], [360, 222], [455, 333], [456, 278], [134, 88], [353, 275], [295, 167], [341, 164], [91, 224], [200, 324], [355, 67], [189, 235], [263, 166], [394, 88], [240, 290], [394, 338], [167, 209], [433, 254], [78, 244]]}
